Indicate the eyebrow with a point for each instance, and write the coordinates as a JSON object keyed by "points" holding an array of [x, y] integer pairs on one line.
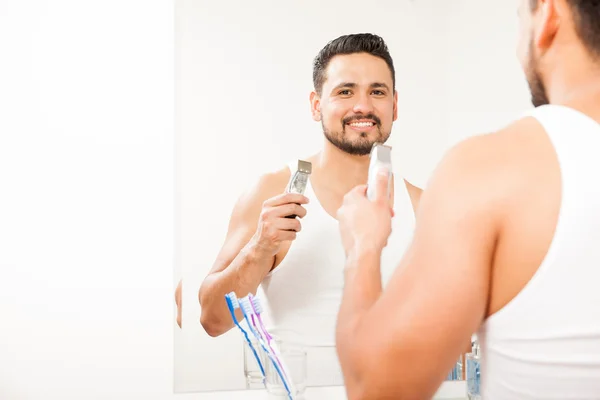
{"points": [[352, 85], [380, 85]]}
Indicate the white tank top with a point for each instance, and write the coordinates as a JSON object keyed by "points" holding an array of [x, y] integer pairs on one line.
{"points": [[545, 343], [302, 295]]}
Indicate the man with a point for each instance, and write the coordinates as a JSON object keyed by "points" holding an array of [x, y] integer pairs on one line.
{"points": [[355, 101], [178, 302], [506, 243]]}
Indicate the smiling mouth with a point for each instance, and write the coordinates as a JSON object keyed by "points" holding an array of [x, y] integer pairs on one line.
{"points": [[362, 124]]}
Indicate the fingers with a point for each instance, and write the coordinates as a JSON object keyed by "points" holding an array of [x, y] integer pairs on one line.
{"points": [[381, 186], [280, 229], [359, 190], [292, 209], [288, 224], [356, 192], [286, 198], [283, 211]]}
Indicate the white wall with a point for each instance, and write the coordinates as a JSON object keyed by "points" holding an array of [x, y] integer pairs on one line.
{"points": [[243, 108], [485, 86], [87, 180], [86, 200]]}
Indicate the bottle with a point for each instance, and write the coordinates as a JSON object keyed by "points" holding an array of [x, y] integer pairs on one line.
{"points": [[473, 371], [455, 373]]}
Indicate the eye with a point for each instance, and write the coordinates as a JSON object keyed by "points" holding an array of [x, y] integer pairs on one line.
{"points": [[344, 92], [379, 92]]}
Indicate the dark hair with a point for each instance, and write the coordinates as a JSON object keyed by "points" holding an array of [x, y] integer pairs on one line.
{"points": [[350, 44], [587, 22]]}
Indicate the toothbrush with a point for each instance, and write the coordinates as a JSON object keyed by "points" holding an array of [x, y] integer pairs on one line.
{"points": [[257, 310], [248, 313], [232, 304], [247, 310]]}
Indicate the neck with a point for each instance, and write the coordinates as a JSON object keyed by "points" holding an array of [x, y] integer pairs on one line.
{"points": [[575, 82], [343, 170]]}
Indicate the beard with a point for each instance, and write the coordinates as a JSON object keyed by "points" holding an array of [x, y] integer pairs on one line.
{"points": [[363, 144], [539, 97]]}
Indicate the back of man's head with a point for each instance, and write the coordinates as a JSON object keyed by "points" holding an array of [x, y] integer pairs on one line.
{"points": [[350, 44], [586, 16]]}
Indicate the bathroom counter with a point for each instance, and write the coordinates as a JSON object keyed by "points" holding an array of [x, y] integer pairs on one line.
{"points": [[451, 390], [456, 390]]}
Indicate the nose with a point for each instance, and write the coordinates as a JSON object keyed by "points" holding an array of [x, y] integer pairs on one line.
{"points": [[363, 105]]}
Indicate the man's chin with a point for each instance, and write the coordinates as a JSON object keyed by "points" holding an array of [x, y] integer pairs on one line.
{"points": [[359, 144], [359, 149]]}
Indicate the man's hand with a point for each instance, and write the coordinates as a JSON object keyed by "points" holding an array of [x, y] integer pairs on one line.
{"points": [[257, 228], [273, 226], [364, 224]]}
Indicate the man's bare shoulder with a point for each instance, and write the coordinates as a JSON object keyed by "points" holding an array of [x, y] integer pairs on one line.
{"points": [[265, 186], [507, 150], [274, 182], [486, 165], [490, 167]]}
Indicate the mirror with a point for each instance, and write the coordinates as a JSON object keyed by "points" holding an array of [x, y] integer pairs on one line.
{"points": [[243, 84]]}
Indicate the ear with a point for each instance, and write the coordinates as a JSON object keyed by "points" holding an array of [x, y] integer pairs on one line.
{"points": [[546, 23], [395, 105], [315, 106]]}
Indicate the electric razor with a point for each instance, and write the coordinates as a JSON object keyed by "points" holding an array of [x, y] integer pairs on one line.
{"points": [[299, 180]]}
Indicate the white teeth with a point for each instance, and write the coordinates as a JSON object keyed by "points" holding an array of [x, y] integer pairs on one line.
{"points": [[362, 124]]}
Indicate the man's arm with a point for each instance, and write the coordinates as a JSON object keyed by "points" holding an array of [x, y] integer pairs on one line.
{"points": [[402, 342], [256, 230], [178, 302]]}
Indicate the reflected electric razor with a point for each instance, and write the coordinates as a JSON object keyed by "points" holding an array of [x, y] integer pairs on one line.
{"points": [[299, 180], [381, 157]]}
